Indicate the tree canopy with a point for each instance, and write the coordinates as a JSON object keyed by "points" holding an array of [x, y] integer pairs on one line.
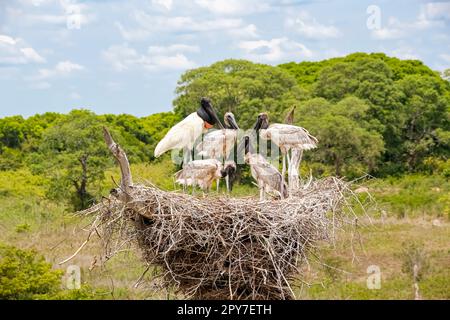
{"points": [[372, 113], [239, 86]]}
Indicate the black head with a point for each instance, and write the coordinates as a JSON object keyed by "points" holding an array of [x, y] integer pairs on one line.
{"points": [[230, 121], [230, 171], [262, 122], [207, 113], [247, 144]]}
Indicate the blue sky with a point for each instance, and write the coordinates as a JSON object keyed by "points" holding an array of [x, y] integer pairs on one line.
{"points": [[115, 56]]}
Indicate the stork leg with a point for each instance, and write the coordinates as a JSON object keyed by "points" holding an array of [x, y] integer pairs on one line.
{"points": [[227, 181], [261, 194], [217, 184], [193, 184], [289, 163], [283, 173]]}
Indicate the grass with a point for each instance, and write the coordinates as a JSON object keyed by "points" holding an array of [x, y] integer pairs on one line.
{"points": [[413, 208]]}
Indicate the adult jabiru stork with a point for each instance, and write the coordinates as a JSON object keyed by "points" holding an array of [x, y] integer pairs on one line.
{"points": [[267, 177], [289, 137], [184, 134]]}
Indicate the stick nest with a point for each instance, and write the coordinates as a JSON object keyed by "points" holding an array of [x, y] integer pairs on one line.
{"points": [[216, 247]]}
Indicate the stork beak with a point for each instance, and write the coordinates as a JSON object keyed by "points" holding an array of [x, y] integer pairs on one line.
{"points": [[262, 122], [208, 114], [232, 122], [214, 114]]}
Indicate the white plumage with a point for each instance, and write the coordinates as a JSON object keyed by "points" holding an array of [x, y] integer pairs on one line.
{"points": [[200, 173], [288, 137], [182, 135], [219, 143]]}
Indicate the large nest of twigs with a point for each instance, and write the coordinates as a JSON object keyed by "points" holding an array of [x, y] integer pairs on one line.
{"points": [[217, 247], [222, 247]]}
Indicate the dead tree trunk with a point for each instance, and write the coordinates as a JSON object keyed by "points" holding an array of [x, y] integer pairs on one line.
{"points": [[126, 181]]}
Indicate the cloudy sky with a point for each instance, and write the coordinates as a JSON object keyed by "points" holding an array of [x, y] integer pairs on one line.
{"points": [[114, 56]]}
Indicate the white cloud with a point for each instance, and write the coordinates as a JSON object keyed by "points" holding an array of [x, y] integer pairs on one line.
{"points": [[184, 23], [445, 57], [148, 25], [70, 12], [429, 17], [246, 32], [157, 58], [307, 26], [274, 50], [436, 10], [233, 7], [164, 4], [17, 52], [172, 48], [138, 34], [405, 53], [61, 69]]}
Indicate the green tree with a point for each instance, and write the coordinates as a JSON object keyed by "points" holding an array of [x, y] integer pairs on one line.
{"points": [[426, 120], [347, 139], [239, 86], [406, 102], [26, 275], [74, 155], [11, 131]]}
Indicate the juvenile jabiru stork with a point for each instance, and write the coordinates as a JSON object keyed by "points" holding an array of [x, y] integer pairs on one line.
{"points": [[267, 177], [184, 134], [219, 143], [229, 173], [289, 137], [202, 173]]}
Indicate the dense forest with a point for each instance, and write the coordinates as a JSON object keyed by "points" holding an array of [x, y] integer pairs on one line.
{"points": [[371, 113]]}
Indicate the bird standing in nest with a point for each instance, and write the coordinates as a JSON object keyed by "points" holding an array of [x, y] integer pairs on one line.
{"points": [[202, 173], [218, 145], [184, 134], [267, 177], [289, 137]]}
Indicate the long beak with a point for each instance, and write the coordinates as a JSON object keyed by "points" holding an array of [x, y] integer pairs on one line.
{"points": [[214, 114], [257, 125], [233, 123]]}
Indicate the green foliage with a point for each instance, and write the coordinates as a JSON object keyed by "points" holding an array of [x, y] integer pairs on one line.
{"points": [[75, 151], [239, 86], [346, 136], [414, 255], [26, 275], [408, 102], [413, 195], [11, 131]]}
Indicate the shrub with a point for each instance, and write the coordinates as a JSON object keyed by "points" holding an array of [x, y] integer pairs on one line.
{"points": [[26, 275]]}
